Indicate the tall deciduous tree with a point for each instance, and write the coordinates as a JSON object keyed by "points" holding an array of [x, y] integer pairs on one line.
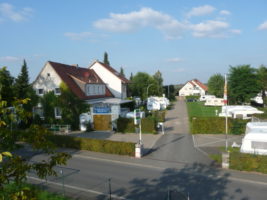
{"points": [[6, 86], [15, 168], [71, 106], [106, 61], [243, 84], [143, 85], [262, 78], [216, 85], [158, 82]]}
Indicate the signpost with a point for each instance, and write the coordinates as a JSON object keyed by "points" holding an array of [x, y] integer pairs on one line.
{"points": [[139, 145]]}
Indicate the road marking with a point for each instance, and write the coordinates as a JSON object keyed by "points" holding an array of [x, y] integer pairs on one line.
{"points": [[119, 162], [77, 188], [196, 147], [248, 181]]}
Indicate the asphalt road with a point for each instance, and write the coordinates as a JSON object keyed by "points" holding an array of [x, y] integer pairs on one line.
{"points": [[173, 169], [130, 180]]}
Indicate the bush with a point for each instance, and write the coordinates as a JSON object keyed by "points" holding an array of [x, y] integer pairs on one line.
{"points": [[125, 125], [216, 125], [248, 162], [104, 146]]}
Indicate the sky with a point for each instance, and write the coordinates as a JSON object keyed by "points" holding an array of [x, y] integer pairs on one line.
{"points": [[183, 39]]}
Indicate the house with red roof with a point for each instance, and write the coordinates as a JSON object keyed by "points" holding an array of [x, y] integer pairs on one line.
{"points": [[193, 87], [115, 82], [104, 97]]}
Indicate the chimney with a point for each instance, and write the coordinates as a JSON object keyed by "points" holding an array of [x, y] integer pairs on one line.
{"points": [[75, 65]]}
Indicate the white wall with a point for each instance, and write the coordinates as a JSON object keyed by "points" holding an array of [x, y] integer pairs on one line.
{"points": [[189, 89], [112, 81], [48, 83]]}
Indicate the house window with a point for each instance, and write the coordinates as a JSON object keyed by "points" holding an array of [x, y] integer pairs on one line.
{"points": [[40, 91], [48, 74], [57, 91], [57, 113]]}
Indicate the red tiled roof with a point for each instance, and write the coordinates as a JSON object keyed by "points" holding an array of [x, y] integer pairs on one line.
{"points": [[112, 70], [66, 72], [195, 81]]}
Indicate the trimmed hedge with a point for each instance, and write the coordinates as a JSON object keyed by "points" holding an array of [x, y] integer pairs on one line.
{"points": [[216, 125], [125, 125], [104, 146], [248, 162]]}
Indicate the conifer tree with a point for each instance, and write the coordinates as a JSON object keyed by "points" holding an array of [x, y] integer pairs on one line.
{"points": [[106, 61]]}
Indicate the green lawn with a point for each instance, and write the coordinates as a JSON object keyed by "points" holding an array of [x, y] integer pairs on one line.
{"points": [[198, 109]]}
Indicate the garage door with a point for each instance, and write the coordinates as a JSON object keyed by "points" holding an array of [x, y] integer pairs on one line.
{"points": [[102, 122]]}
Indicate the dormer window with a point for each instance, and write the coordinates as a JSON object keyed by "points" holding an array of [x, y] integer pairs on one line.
{"points": [[48, 74]]}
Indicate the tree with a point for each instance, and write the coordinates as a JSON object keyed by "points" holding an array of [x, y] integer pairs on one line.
{"points": [[49, 101], [131, 76], [243, 84], [14, 167], [159, 83], [216, 85], [106, 61], [122, 72], [141, 84], [23, 89], [6, 86], [262, 79], [71, 106]]}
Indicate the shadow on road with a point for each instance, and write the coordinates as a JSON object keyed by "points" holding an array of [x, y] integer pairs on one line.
{"points": [[197, 181]]}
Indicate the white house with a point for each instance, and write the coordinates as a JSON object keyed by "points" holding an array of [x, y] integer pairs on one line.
{"points": [[86, 85], [115, 82], [193, 87]]}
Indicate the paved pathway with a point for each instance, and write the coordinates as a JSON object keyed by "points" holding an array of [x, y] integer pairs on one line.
{"points": [[177, 144]]}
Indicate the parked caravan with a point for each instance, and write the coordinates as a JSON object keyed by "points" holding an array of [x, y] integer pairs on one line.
{"points": [[214, 102], [242, 112], [206, 97], [255, 139], [157, 103]]}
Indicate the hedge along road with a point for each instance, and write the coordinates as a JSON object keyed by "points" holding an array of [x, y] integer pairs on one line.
{"points": [[176, 145]]}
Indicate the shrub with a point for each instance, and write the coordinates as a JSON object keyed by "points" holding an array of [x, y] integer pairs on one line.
{"points": [[104, 146], [216, 125], [248, 162], [125, 125]]}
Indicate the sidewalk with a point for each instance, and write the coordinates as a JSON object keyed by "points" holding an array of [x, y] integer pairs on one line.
{"points": [[148, 140]]}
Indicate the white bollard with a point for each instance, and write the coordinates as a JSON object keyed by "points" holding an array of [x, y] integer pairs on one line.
{"points": [[138, 150]]}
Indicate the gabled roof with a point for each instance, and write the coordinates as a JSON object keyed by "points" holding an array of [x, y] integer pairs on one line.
{"points": [[197, 82], [113, 71], [69, 73]]}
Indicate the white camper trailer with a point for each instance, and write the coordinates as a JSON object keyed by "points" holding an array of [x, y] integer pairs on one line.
{"points": [[214, 102], [243, 112], [157, 103], [255, 139], [85, 119], [206, 97]]}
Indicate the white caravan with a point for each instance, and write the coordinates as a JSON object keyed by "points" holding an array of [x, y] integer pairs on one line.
{"points": [[214, 102], [255, 139], [157, 103], [242, 112]]}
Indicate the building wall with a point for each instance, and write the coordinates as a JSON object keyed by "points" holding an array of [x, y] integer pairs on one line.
{"points": [[189, 90], [47, 79], [112, 81]]}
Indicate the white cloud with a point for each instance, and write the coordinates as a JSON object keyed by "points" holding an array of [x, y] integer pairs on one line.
{"points": [[10, 59], [210, 28], [263, 26], [174, 60], [145, 17], [200, 11], [236, 31], [78, 36], [225, 12], [7, 11]]}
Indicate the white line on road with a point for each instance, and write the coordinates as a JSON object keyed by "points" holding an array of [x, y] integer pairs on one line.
{"points": [[119, 162], [76, 188], [196, 147]]}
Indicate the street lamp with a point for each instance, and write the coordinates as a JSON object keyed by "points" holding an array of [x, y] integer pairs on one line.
{"points": [[147, 89]]}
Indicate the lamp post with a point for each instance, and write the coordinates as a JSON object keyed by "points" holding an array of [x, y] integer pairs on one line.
{"points": [[147, 89]]}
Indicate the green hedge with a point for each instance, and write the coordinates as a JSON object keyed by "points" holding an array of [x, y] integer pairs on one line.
{"points": [[216, 125], [125, 125], [248, 162], [104, 146]]}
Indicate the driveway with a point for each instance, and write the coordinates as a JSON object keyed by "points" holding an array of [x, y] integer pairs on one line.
{"points": [[177, 145]]}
